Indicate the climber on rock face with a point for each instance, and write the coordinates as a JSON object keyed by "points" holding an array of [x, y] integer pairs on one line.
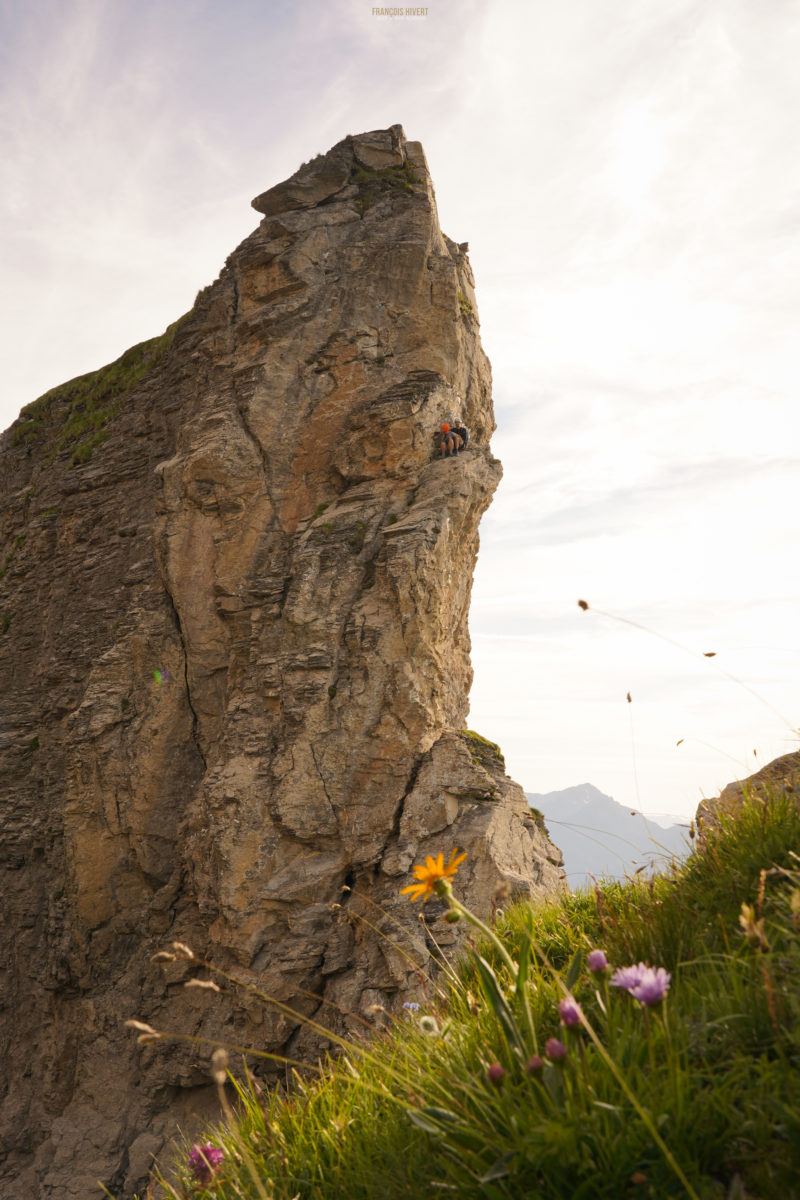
{"points": [[449, 441], [461, 432]]}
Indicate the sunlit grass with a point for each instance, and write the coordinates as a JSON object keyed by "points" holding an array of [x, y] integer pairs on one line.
{"points": [[695, 1094]]}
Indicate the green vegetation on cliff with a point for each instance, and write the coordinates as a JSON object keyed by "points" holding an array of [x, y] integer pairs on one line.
{"points": [[372, 183], [75, 416], [483, 751], [641, 1039]]}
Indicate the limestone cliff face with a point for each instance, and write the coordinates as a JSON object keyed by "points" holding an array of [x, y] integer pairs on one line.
{"points": [[235, 664]]}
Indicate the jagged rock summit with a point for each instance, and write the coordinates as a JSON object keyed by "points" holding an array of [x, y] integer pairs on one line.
{"points": [[235, 669]]}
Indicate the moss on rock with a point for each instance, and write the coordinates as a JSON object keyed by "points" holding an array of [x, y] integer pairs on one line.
{"points": [[483, 751], [75, 415]]}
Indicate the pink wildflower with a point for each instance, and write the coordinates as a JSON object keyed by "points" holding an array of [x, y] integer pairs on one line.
{"points": [[648, 985], [653, 985], [570, 1011], [495, 1074], [627, 977], [204, 1161], [554, 1049]]}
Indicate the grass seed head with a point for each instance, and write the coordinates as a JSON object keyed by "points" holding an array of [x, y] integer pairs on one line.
{"points": [[140, 1025], [182, 950], [219, 1065]]}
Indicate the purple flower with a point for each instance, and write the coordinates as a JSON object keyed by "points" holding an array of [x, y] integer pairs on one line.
{"points": [[570, 1011], [204, 1161], [555, 1049], [534, 1063], [495, 1074], [653, 985], [597, 960], [648, 985], [411, 1006], [627, 977]]}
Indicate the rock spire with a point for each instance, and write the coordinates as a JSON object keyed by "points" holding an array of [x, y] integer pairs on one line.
{"points": [[235, 669]]}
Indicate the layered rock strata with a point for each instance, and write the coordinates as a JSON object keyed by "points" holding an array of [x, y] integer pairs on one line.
{"points": [[235, 668]]}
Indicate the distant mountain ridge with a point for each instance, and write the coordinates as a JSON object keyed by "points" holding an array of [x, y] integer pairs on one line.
{"points": [[600, 837]]}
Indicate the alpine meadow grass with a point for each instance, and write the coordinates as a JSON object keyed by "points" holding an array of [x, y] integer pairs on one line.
{"points": [[638, 1039]]}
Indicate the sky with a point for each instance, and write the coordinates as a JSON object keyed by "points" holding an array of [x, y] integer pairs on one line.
{"points": [[626, 173]]}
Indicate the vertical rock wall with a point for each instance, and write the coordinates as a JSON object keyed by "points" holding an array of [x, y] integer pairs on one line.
{"points": [[235, 664]]}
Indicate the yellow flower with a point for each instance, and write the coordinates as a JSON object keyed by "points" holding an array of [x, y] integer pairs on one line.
{"points": [[429, 875]]}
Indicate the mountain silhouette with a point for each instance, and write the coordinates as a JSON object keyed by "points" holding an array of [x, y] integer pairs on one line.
{"points": [[599, 837]]}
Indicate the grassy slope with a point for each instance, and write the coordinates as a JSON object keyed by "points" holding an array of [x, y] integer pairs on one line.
{"points": [[696, 1096]]}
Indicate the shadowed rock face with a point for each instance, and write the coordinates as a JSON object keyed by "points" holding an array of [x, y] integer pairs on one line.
{"points": [[235, 664]]}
